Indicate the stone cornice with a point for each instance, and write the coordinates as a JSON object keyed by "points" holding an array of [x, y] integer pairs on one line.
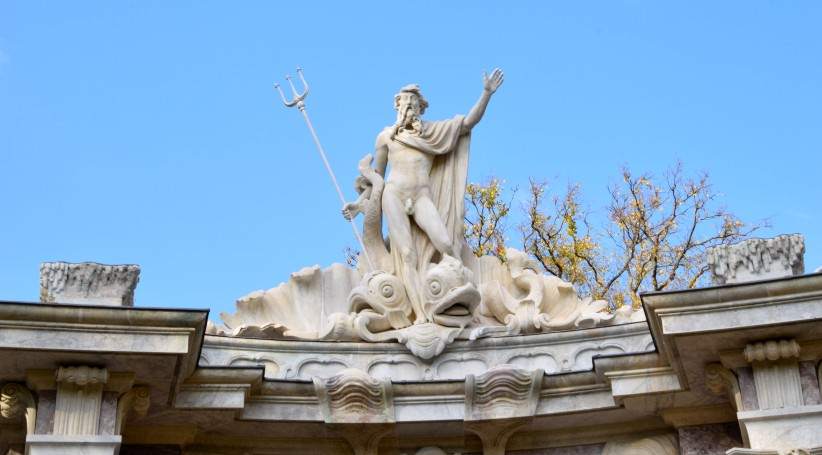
{"points": [[259, 399], [785, 302], [103, 329]]}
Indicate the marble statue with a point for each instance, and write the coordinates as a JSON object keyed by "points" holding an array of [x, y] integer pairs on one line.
{"points": [[422, 198], [422, 286], [424, 165]]}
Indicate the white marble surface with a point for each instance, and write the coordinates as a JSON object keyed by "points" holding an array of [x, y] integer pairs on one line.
{"points": [[72, 445], [560, 352], [783, 429]]}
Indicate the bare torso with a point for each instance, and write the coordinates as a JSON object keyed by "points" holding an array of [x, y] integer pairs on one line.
{"points": [[409, 169]]}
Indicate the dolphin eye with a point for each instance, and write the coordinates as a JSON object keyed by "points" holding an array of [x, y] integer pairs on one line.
{"points": [[435, 286], [387, 291]]}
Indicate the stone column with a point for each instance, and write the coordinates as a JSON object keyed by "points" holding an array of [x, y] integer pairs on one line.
{"points": [[777, 396], [78, 411]]}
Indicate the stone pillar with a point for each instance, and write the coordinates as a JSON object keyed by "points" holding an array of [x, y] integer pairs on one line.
{"points": [[79, 411], [777, 398], [88, 283]]}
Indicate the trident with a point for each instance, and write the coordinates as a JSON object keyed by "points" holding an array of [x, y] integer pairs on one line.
{"points": [[299, 101]]}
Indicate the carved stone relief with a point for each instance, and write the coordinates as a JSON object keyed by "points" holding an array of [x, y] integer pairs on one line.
{"points": [[337, 304], [554, 353], [17, 403], [503, 392], [138, 399], [421, 287], [721, 380], [352, 396]]}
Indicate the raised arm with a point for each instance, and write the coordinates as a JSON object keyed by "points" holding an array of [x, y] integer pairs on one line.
{"points": [[490, 84]]}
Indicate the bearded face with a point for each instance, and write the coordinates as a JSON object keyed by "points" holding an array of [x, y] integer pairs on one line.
{"points": [[408, 110]]}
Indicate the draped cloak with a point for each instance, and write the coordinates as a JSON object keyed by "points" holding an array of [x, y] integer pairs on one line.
{"points": [[447, 179]]}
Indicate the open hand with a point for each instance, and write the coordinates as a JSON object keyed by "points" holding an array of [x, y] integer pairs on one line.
{"points": [[491, 83]]}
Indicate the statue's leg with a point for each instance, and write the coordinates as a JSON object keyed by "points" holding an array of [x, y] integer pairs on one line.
{"points": [[428, 219], [399, 233]]}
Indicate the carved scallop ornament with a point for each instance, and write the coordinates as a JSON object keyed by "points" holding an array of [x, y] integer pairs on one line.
{"points": [[502, 392], [353, 396]]}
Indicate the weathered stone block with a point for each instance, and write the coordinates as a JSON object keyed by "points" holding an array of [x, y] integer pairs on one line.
{"points": [[88, 283], [758, 259]]}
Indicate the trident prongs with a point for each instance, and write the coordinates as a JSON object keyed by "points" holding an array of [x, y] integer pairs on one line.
{"points": [[300, 103], [298, 97]]}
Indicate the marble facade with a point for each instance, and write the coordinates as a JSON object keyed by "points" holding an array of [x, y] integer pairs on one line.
{"points": [[733, 368]]}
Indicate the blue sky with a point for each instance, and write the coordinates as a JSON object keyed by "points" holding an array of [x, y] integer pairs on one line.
{"points": [[149, 133]]}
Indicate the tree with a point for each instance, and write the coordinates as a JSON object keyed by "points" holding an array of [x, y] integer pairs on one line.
{"points": [[654, 235], [485, 218]]}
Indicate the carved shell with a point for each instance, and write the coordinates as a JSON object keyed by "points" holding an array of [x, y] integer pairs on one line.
{"points": [[427, 340]]}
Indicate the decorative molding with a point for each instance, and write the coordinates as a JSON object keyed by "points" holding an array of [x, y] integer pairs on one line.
{"points": [[137, 399], [555, 352], [17, 402], [758, 259], [81, 376], [720, 380], [37, 380], [503, 392], [352, 396], [79, 397], [427, 340], [771, 351], [776, 373], [88, 283]]}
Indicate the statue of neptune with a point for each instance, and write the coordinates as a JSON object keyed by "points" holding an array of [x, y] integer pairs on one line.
{"points": [[423, 196]]}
